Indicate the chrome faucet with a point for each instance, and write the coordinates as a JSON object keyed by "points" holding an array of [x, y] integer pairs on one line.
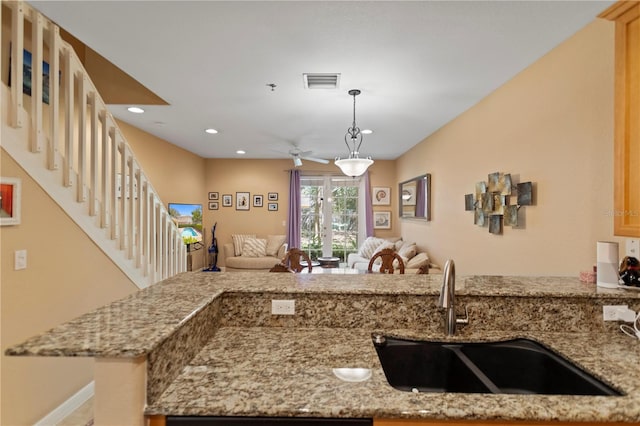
{"points": [[448, 299]]}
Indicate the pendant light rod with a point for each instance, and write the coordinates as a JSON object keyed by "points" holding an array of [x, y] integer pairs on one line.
{"points": [[353, 132]]}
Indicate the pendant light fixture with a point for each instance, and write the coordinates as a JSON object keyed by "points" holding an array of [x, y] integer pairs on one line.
{"points": [[354, 165]]}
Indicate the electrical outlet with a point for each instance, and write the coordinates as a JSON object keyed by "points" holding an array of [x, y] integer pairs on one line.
{"points": [[633, 248], [283, 307], [613, 312]]}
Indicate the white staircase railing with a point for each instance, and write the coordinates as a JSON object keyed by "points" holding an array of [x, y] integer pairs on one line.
{"points": [[64, 137]]}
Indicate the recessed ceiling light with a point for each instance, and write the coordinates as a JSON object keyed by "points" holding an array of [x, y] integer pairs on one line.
{"points": [[211, 131], [135, 110], [240, 152], [366, 131]]}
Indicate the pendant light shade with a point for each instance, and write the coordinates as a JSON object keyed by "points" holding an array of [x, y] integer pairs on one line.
{"points": [[353, 165]]}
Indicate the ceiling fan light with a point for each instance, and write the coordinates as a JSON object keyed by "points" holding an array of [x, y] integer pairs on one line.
{"points": [[297, 162], [354, 166]]}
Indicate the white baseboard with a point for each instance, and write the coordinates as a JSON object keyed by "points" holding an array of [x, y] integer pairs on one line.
{"points": [[67, 407]]}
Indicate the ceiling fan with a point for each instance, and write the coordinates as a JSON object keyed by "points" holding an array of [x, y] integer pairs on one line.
{"points": [[298, 155]]}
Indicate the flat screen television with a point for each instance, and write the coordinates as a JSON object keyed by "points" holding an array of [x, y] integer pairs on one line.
{"points": [[188, 217]]}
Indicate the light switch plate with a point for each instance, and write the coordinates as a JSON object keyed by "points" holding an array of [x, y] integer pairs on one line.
{"points": [[633, 248], [20, 260]]}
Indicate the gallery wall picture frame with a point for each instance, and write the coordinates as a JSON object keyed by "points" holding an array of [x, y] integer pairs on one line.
{"points": [[213, 205], [382, 220], [10, 200], [213, 196], [257, 200], [272, 196], [27, 80], [381, 196], [273, 207], [227, 200], [242, 200]]}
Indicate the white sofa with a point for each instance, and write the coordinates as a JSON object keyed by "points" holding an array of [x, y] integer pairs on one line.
{"points": [[254, 259], [411, 255]]}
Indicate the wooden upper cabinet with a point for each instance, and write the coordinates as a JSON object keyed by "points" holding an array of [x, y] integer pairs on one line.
{"points": [[626, 15]]}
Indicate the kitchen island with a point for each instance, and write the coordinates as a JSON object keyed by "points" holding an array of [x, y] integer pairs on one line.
{"points": [[207, 345]]}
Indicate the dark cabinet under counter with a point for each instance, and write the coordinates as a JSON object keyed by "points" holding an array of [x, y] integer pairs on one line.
{"points": [[265, 421]]}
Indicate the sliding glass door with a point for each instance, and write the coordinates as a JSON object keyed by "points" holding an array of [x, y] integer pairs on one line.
{"points": [[329, 216]]}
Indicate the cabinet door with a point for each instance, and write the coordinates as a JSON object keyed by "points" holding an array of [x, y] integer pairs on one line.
{"points": [[627, 118]]}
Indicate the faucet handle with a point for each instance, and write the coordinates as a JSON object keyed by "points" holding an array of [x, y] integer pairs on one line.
{"points": [[465, 320]]}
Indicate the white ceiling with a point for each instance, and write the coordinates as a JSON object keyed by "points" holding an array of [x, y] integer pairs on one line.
{"points": [[419, 64]]}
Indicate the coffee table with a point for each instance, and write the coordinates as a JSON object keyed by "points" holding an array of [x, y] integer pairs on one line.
{"points": [[329, 262]]}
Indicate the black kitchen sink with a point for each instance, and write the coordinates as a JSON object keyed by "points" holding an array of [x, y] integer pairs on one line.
{"points": [[517, 366], [427, 367]]}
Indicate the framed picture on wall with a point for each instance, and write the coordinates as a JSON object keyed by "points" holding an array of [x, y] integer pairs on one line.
{"points": [[257, 200], [10, 194], [213, 196], [273, 207], [382, 220], [213, 205], [273, 196], [242, 200], [227, 200], [381, 196]]}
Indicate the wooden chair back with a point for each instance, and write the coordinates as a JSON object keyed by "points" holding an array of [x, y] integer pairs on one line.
{"points": [[292, 260], [279, 267], [424, 269], [387, 256]]}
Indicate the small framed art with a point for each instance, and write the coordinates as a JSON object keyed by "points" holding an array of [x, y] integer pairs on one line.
{"points": [[273, 196], [213, 205], [257, 200], [381, 196], [242, 200], [382, 220], [273, 207], [213, 196], [10, 199], [227, 200]]}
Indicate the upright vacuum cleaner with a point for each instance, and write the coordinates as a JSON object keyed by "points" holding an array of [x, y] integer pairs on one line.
{"points": [[213, 252]]}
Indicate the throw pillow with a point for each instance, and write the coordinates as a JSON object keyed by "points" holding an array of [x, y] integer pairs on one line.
{"points": [[368, 247], [254, 247], [394, 239], [407, 251], [396, 264], [238, 241], [417, 261], [274, 242]]}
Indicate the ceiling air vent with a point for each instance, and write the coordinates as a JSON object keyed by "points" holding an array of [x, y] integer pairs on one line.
{"points": [[321, 81]]}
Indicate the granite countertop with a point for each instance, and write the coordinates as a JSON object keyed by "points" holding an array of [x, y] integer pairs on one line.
{"points": [[250, 364], [137, 324], [289, 373]]}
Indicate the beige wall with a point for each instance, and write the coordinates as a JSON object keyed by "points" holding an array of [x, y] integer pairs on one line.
{"points": [[228, 176], [553, 125], [66, 276]]}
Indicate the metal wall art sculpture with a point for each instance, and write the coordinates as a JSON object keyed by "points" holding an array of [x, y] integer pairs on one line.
{"points": [[491, 202]]}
